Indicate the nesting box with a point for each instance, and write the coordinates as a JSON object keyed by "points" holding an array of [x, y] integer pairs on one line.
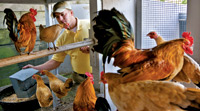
{"points": [[23, 84]]}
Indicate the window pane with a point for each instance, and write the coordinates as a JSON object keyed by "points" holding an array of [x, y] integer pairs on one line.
{"points": [[166, 17]]}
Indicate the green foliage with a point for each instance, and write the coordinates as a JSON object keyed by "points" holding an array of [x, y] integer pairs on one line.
{"points": [[4, 37], [5, 72], [4, 82], [162, 0], [184, 2]]}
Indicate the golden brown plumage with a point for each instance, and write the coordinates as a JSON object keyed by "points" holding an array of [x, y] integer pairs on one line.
{"points": [[22, 32], [151, 95], [85, 97], [114, 37], [57, 86], [43, 93], [50, 34], [190, 70], [163, 63]]}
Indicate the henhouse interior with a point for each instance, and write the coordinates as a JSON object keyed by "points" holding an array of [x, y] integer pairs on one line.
{"points": [[99, 55]]}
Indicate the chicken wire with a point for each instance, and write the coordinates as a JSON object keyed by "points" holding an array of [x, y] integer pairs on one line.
{"points": [[166, 17]]}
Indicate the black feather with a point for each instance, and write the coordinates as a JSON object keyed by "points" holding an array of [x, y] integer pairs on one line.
{"points": [[111, 27], [11, 22], [102, 105]]}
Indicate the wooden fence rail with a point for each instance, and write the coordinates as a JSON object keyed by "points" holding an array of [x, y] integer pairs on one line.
{"points": [[43, 53]]}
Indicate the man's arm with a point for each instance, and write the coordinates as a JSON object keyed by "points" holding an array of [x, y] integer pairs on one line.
{"points": [[49, 65]]}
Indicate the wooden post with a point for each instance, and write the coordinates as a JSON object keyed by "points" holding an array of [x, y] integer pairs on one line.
{"points": [[95, 6]]}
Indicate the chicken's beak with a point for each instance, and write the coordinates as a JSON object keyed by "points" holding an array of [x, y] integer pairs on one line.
{"points": [[62, 25], [42, 72], [33, 77]]}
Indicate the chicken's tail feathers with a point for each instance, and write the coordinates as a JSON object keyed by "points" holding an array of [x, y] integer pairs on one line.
{"points": [[110, 29], [193, 95], [68, 83], [41, 27], [12, 23], [102, 104]]}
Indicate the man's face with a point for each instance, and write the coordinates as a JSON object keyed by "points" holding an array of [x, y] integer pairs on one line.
{"points": [[64, 17]]}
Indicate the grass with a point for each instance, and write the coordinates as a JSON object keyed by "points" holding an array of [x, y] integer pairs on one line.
{"points": [[69, 75], [5, 72]]}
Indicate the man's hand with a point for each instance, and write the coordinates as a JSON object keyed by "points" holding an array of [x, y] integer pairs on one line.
{"points": [[85, 49], [28, 66]]}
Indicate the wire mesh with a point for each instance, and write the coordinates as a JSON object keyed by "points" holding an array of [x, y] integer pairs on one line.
{"points": [[166, 17]]}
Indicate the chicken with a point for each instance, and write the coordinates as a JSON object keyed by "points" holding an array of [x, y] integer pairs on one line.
{"points": [[57, 86], [151, 95], [86, 99], [51, 33], [43, 93], [22, 32], [190, 70], [115, 39]]}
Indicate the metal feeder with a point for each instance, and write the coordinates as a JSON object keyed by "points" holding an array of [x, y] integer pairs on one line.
{"points": [[23, 84]]}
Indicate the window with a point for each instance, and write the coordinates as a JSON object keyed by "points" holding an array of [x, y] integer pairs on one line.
{"points": [[166, 17]]}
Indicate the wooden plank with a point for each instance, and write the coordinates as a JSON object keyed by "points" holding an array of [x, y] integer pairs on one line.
{"points": [[24, 1], [31, 1], [42, 53]]}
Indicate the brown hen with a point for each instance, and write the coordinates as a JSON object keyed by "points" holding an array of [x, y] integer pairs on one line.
{"points": [[86, 99], [190, 70], [43, 93], [51, 33], [59, 87], [150, 95]]}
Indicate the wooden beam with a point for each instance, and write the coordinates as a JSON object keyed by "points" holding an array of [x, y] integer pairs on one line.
{"points": [[42, 53], [32, 1]]}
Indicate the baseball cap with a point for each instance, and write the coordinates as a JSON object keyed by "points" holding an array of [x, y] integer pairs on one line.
{"points": [[60, 7]]}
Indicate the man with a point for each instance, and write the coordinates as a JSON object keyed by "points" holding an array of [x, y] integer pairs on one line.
{"points": [[76, 31]]}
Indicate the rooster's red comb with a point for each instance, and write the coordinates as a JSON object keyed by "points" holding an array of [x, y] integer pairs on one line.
{"points": [[187, 36], [34, 11], [102, 72], [90, 76]]}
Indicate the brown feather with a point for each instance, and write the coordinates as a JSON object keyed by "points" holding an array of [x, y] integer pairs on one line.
{"points": [[151, 95], [85, 97], [190, 70], [43, 93]]}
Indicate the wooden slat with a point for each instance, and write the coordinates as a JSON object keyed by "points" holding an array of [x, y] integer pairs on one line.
{"points": [[31, 1], [42, 53]]}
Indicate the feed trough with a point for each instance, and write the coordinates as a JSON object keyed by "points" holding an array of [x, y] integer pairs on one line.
{"points": [[27, 105]]}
